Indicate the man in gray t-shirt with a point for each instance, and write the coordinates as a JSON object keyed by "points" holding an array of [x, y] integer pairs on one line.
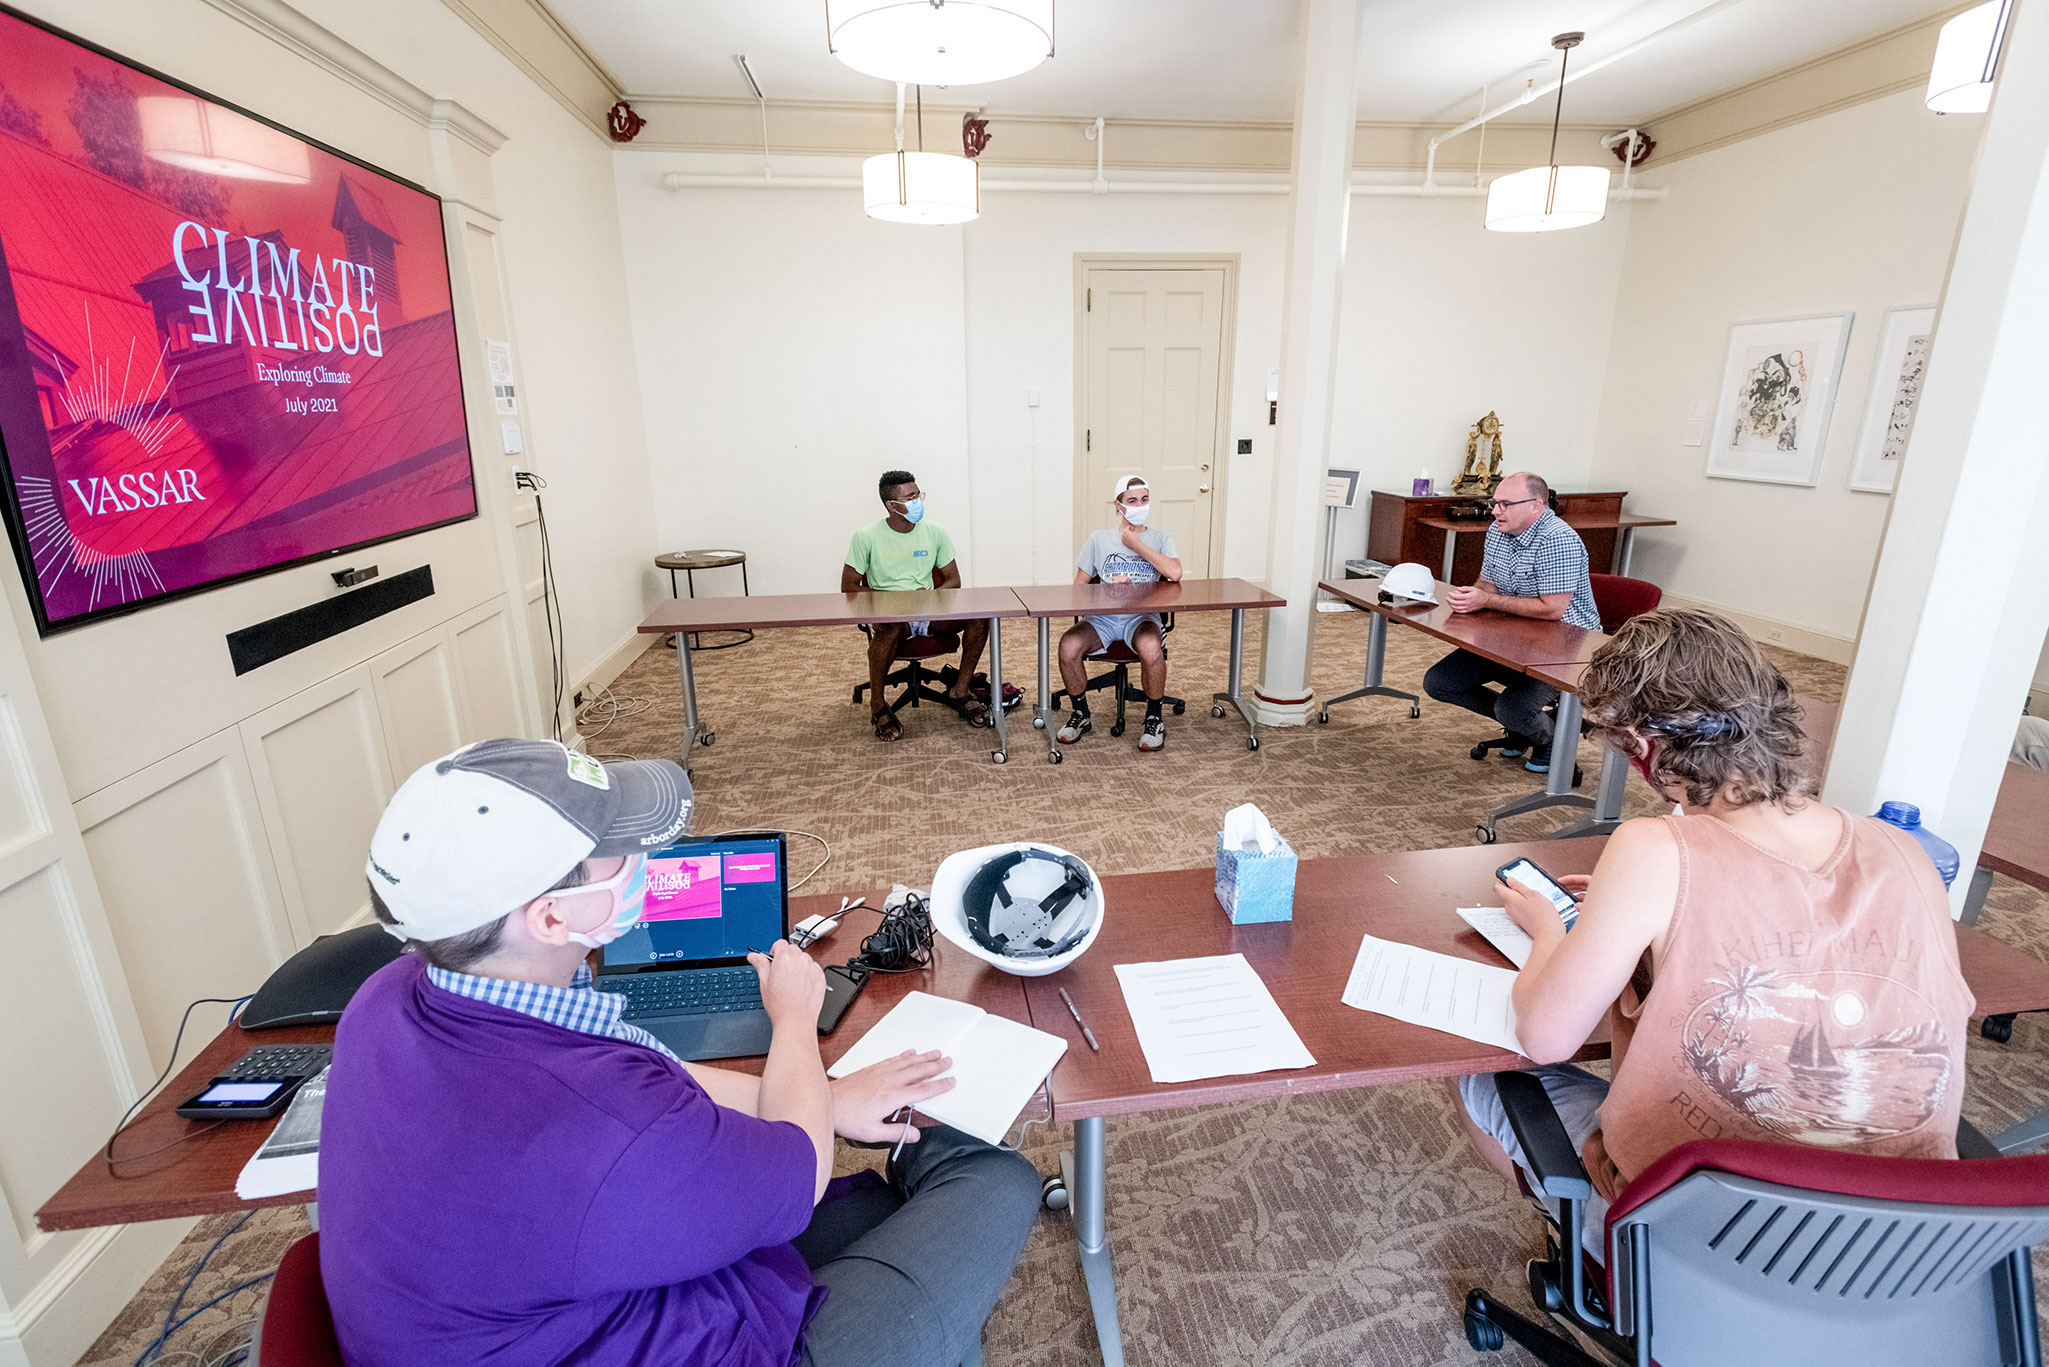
{"points": [[1128, 553]]}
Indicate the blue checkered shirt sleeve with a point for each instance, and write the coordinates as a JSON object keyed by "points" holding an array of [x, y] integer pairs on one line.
{"points": [[579, 1006]]}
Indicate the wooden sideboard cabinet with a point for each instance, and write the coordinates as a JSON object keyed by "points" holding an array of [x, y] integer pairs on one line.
{"points": [[1394, 533]]}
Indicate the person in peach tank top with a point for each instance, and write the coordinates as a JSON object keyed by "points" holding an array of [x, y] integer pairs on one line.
{"points": [[1772, 968]]}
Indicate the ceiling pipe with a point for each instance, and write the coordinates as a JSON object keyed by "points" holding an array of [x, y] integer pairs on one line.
{"points": [[691, 180], [1535, 92]]}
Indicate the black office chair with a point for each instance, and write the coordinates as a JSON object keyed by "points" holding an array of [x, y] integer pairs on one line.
{"points": [[1736, 1251], [1121, 657]]}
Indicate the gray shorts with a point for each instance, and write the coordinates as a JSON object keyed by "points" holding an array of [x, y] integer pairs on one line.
{"points": [[1113, 629], [1577, 1094]]}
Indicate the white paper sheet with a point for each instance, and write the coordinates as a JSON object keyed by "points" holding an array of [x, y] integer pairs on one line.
{"points": [[1504, 934], [289, 1160], [1211, 1017], [997, 1063], [1439, 991]]}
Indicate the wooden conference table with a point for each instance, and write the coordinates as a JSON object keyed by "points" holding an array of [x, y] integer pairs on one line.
{"points": [[198, 1176], [834, 610], [1305, 963], [1045, 602], [1623, 525], [1550, 652]]}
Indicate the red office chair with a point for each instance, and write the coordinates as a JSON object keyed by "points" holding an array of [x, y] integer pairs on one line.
{"points": [[1731, 1250], [1619, 599], [917, 682], [1121, 657], [294, 1327]]}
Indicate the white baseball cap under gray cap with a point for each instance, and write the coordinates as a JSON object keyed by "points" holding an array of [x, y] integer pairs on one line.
{"points": [[484, 831]]}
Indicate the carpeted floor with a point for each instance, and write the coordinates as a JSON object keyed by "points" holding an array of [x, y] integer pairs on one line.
{"points": [[1338, 1228]]}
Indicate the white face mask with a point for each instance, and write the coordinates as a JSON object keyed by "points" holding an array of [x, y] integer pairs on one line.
{"points": [[1136, 515], [630, 884]]}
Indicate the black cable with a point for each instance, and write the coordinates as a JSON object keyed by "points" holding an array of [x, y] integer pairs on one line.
{"points": [[902, 943], [551, 601], [108, 1152]]}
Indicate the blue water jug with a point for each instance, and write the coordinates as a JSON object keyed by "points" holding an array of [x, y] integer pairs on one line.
{"points": [[1907, 817]]}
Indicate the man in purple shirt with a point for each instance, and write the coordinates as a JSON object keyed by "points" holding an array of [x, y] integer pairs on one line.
{"points": [[510, 1173]]}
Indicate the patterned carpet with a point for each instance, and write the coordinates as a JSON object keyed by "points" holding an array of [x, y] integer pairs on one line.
{"points": [[1337, 1228]]}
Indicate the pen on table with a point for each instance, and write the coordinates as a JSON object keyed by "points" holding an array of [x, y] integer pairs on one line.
{"points": [[1086, 1033]]}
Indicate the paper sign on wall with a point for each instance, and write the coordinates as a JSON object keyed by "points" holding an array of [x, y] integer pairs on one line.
{"points": [[502, 392], [1696, 423]]}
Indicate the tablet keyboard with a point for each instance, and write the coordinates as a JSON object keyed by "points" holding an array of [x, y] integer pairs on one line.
{"points": [[696, 991]]}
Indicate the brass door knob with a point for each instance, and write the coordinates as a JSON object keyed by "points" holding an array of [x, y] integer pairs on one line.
{"points": [[1202, 488]]}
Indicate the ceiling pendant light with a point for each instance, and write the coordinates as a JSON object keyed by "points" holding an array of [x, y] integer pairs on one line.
{"points": [[940, 42], [920, 186], [1966, 59], [1553, 196], [196, 135]]}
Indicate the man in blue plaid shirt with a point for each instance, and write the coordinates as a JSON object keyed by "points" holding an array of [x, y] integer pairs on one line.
{"points": [[1536, 566]]}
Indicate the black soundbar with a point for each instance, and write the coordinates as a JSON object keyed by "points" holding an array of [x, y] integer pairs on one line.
{"points": [[253, 647]]}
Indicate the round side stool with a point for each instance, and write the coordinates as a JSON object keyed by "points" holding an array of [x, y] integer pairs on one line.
{"points": [[692, 561]]}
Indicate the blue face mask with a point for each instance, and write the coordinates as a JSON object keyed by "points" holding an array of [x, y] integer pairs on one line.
{"points": [[632, 902], [914, 511]]}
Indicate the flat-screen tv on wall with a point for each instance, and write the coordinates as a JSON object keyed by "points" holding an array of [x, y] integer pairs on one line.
{"points": [[224, 347]]}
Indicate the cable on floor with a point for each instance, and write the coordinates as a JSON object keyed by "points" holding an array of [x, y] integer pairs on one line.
{"points": [[604, 709]]}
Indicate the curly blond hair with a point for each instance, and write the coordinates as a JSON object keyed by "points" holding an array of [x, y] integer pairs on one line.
{"points": [[1723, 718]]}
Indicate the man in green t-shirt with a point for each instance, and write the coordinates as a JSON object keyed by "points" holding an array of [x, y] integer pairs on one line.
{"points": [[903, 551]]}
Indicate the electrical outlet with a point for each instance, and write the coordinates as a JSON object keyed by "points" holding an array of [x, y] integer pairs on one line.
{"points": [[1244, 446]]}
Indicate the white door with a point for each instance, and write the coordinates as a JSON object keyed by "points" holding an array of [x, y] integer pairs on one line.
{"points": [[1153, 348]]}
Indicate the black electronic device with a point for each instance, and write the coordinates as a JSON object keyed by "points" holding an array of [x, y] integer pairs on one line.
{"points": [[259, 1084], [313, 986], [1524, 873], [843, 983]]}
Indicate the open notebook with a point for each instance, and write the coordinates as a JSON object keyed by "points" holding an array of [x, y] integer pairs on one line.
{"points": [[997, 1063]]}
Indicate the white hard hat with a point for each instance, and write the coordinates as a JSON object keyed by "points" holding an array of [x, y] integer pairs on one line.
{"points": [[1029, 909], [1410, 583]]}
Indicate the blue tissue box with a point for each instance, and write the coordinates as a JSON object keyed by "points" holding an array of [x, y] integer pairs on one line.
{"points": [[1256, 887]]}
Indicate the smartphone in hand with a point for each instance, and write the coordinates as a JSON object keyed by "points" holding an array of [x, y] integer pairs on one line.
{"points": [[1526, 874]]}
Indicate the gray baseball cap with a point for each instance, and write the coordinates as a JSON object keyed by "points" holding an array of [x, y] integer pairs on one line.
{"points": [[484, 831]]}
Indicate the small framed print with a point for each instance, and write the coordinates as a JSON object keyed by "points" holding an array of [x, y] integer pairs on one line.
{"points": [[1895, 393], [1778, 386]]}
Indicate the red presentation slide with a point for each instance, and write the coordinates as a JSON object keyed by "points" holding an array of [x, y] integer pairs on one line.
{"points": [[223, 348]]}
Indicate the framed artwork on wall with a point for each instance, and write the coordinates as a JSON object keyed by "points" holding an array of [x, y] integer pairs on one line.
{"points": [[1895, 390], [1778, 385]]}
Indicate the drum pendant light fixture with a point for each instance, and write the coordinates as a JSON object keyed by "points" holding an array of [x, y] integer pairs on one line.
{"points": [[1967, 58], [920, 186], [940, 42], [1547, 197]]}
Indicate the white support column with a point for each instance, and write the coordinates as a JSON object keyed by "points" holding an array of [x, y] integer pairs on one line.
{"points": [[1326, 112], [1958, 609]]}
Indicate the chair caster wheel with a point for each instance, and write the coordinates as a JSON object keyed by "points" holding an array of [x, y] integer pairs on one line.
{"points": [[998, 756], [1544, 1292], [1998, 1029], [1038, 723], [1482, 1334], [1486, 834], [1415, 710], [707, 738], [1180, 709], [1252, 742], [1117, 728], [1053, 1192], [1477, 752], [1323, 717], [1057, 757], [1216, 711]]}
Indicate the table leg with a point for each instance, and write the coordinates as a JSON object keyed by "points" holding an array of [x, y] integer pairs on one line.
{"points": [[1974, 895], [690, 578], [1043, 715], [1558, 782], [1090, 1193], [1376, 665], [691, 723], [1233, 694], [2022, 1136], [1450, 555], [674, 592], [1618, 559], [1608, 792], [1002, 750]]}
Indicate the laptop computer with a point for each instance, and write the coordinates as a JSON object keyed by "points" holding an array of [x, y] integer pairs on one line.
{"points": [[683, 969]]}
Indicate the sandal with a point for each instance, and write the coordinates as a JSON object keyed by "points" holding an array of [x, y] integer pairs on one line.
{"points": [[887, 727], [972, 710]]}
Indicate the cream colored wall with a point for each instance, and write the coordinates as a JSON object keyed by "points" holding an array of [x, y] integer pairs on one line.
{"points": [[1854, 211], [215, 823], [792, 348]]}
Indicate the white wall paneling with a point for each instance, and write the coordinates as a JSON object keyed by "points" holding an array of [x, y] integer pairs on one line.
{"points": [[192, 894], [322, 775], [418, 701], [487, 672]]}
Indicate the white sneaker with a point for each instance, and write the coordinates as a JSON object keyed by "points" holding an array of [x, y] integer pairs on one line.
{"points": [[1077, 727], [1154, 737]]}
